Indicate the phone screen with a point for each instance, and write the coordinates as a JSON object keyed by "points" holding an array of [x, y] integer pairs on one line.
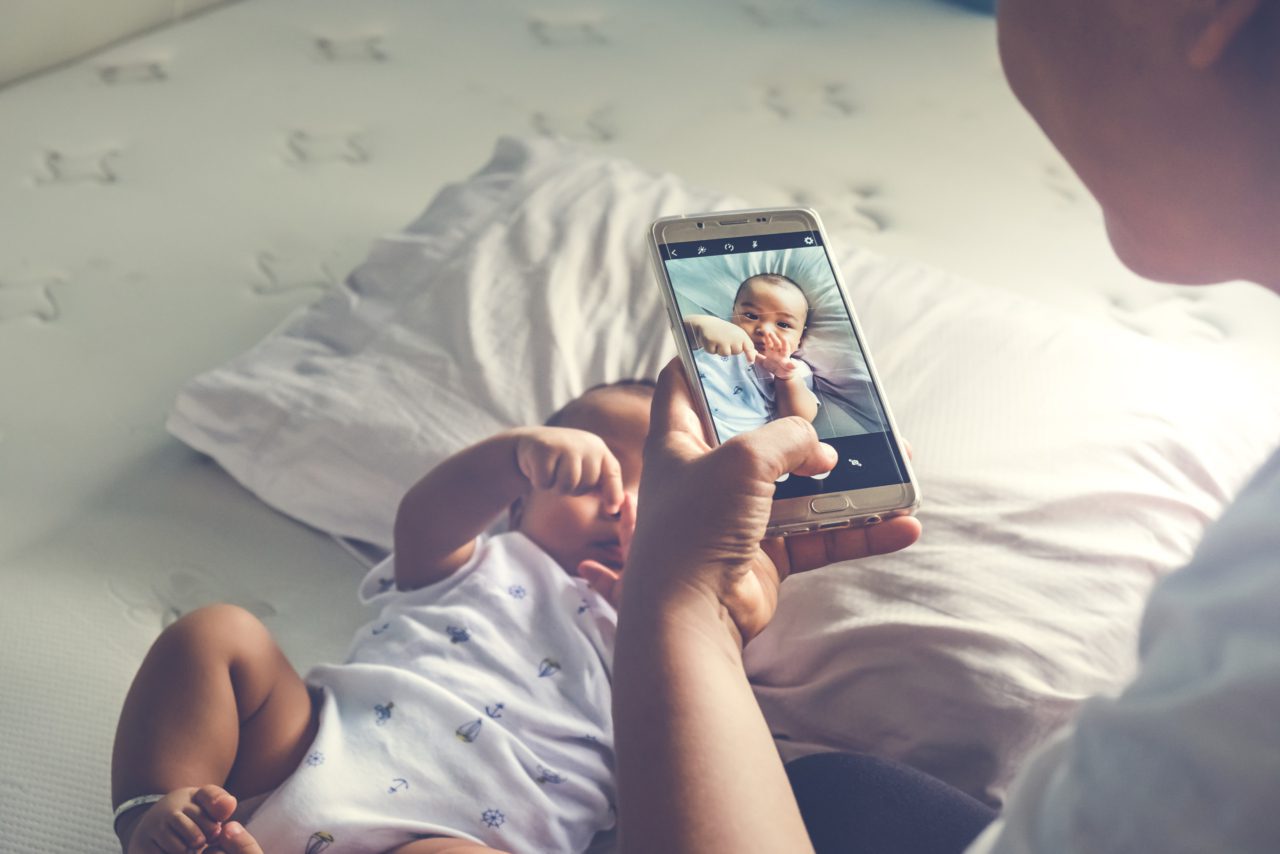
{"points": [[777, 294]]}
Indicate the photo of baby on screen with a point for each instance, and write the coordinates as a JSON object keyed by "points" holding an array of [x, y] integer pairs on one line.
{"points": [[747, 364], [771, 338]]}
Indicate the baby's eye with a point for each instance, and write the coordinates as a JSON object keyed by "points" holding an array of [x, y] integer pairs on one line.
{"points": [[784, 324], [751, 315]]}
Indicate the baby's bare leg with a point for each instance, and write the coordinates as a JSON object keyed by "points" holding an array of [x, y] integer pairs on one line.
{"points": [[215, 702]]}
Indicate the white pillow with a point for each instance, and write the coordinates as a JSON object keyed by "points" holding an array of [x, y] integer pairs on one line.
{"points": [[1064, 463], [515, 291]]}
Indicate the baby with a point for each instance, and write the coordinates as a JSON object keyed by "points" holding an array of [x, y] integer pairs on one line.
{"points": [[746, 363], [473, 713]]}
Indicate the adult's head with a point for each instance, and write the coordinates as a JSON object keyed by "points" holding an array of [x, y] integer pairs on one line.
{"points": [[1169, 110]]}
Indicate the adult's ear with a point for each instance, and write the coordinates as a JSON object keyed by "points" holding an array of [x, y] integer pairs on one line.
{"points": [[1219, 28]]}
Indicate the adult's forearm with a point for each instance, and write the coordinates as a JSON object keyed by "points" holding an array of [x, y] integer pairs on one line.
{"points": [[697, 767]]}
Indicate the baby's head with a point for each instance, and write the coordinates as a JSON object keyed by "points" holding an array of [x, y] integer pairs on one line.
{"points": [[574, 528], [770, 302]]}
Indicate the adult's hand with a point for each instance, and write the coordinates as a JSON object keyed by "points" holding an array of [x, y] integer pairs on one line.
{"points": [[703, 514]]}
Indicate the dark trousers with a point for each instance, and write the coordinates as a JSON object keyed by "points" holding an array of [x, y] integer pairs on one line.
{"points": [[853, 803]]}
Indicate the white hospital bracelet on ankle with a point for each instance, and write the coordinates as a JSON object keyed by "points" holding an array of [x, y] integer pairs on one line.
{"points": [[140, 801]]}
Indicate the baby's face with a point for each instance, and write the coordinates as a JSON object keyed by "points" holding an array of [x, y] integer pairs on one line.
{"points": [[574, 528], [763, 306]]}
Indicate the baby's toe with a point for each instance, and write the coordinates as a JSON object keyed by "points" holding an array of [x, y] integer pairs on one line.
{"points": [[200, 818], [187, 830], [162, 840], [236, 840], [217, 803]]}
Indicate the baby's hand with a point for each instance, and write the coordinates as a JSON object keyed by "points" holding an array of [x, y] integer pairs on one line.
{"points": [[776, 358], [720, 337], [600, 578], [571, 462]]}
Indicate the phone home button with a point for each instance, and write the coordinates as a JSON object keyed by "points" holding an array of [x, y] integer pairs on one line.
{"points": [[829, 504]]}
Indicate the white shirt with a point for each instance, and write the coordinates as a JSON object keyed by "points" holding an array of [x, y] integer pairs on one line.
{"points": [[476, 707], [1187, 758], [741, 395]]}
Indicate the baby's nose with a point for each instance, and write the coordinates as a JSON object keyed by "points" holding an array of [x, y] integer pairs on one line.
{"points": [[615, 517], [604, 511]]}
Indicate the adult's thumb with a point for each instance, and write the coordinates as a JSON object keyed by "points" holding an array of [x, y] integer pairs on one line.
{"points": [[789, 445], [672, 410]]}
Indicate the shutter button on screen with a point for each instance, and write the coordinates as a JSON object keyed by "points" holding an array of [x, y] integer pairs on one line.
{"points": [[829, 504]]}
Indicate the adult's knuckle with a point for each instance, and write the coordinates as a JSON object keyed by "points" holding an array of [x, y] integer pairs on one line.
{"points": [[802, 430], [742, 454]]}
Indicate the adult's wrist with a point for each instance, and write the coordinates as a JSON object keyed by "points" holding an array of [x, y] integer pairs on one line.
{"points": [[680, 614]]}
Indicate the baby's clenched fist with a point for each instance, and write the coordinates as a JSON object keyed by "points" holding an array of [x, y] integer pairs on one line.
{"points": [[571, 462]]}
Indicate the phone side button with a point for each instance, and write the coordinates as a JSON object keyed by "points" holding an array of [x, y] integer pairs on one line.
{"points": [[829, 504]]}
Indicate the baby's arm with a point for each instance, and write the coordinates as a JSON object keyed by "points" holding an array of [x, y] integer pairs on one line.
{"points": [[718, 337], [791, 394], [442, 514], [794, 398]]}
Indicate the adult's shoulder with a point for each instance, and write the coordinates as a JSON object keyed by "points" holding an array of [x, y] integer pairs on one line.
{"points": [[1184, 758]]}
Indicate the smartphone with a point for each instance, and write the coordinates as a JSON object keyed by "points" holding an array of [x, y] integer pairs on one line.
{"points": [[765, 329]]}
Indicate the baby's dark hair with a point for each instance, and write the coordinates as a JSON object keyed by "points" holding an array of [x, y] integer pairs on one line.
{"points": [[773, 279], [641, 387]]}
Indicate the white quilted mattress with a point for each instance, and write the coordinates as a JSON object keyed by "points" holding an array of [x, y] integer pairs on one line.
{"points": [[168, 201]]}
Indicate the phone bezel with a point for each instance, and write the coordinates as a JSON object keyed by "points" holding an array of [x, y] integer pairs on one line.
{"points": [[790, 515]]}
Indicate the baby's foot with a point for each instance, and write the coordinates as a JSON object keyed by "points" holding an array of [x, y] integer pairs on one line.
{"points": [[185, 820]]}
